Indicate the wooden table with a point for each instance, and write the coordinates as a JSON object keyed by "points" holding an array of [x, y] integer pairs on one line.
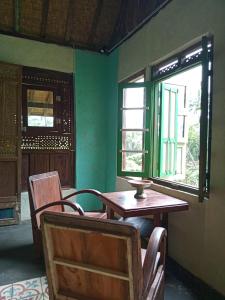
{"points": [[124, 204]]}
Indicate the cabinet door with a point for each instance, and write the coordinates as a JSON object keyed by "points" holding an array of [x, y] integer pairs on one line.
{"points": [[10, 136], [63, 163]]}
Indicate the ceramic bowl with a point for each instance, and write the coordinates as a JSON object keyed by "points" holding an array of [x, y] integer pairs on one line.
{"points": [[140, 184]]}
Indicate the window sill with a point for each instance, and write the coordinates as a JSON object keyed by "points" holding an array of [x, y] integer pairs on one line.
{"points": [[174, 193]]}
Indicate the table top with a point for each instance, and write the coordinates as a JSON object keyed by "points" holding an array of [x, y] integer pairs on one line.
{"points": [[126, 205]]}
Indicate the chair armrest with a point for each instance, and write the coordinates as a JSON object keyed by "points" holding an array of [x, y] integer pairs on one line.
{"points": [[88, 191], [154, 258], [75, 206]]}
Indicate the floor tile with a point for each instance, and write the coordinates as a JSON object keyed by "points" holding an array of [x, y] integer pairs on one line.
{"points": [[35, 297], [6, 292], [27, 288], [45, 296], [44, 284]]}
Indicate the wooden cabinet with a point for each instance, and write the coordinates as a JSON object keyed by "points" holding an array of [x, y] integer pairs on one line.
{"points": [[48, 130]]}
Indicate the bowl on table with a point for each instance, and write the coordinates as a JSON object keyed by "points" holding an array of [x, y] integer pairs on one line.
{"points": [[140, 185]]}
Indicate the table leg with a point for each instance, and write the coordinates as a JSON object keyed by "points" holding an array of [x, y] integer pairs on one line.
{"points": [[157, 220], [110, 213], [165, 220], [165, 225]]}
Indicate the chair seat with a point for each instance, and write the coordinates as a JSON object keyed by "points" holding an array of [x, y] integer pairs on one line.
{"points": [[145, 225]]}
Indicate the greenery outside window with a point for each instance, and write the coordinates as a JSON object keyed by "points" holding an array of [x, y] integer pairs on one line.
{"points": [[165, 125]]}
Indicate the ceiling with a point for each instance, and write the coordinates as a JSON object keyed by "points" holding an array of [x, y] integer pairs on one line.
{"points": [[97, 25]]}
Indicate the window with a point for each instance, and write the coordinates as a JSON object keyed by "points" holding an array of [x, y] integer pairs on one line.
{"points": [[133, 127], [180, 102], [164, 128], [40, 108]]}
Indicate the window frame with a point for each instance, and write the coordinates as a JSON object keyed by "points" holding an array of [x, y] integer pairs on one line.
{"points": [[204, 59], [175, 64], [146, 131]]}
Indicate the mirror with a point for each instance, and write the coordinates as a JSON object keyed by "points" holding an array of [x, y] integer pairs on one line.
{"points": [[40, 108]]}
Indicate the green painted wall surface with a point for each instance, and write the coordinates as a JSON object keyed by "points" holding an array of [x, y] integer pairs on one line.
{"points": [[196, 237], [112, 117], [96, 105], [36, 54]]}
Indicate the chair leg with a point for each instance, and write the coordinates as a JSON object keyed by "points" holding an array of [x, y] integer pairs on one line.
{"points": [[38, 247]]}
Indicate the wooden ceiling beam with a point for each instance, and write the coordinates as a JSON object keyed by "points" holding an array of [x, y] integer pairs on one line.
{"points": [[119, 27], [16, 13], [115, 43], [95, 22], [68, 26], [45, 9]]}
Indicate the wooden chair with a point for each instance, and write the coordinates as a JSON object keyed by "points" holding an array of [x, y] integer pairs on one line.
{"points": [[45, 193], [101, 259]]}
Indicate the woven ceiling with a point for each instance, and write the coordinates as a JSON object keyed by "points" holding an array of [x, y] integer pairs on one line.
{"points": [[97, 25]]}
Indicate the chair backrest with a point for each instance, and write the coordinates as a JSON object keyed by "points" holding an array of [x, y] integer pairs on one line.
{"points": [[91, 259], [43, 189]]}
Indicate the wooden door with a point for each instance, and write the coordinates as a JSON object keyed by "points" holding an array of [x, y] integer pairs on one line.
{"points": [[10, 136]]}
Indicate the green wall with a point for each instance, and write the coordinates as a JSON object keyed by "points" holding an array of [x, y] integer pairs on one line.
{"points": [[96, 123]]}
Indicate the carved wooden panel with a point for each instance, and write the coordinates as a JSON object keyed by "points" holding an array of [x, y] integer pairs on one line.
{"points": [[8, 117], [63, 163], [10, 135], [48, 142], [39, 163], [8, 180]]}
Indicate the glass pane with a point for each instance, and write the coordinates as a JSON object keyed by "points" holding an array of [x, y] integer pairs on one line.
{"points": [[172, 114], [133, 119], [132, 140], [132, 162], [40, 108], [181, 127], [172, 161], [187, 151], [165, 158], [182, 98], [134, 97], [166, 114], [179, 161]]}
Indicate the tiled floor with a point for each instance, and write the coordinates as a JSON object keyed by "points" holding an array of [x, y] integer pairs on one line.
{"points": [[32, 289], [37, 289]]}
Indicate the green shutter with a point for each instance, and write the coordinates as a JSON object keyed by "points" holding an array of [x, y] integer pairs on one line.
{"points": [[168, 130], [133, 143]]}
